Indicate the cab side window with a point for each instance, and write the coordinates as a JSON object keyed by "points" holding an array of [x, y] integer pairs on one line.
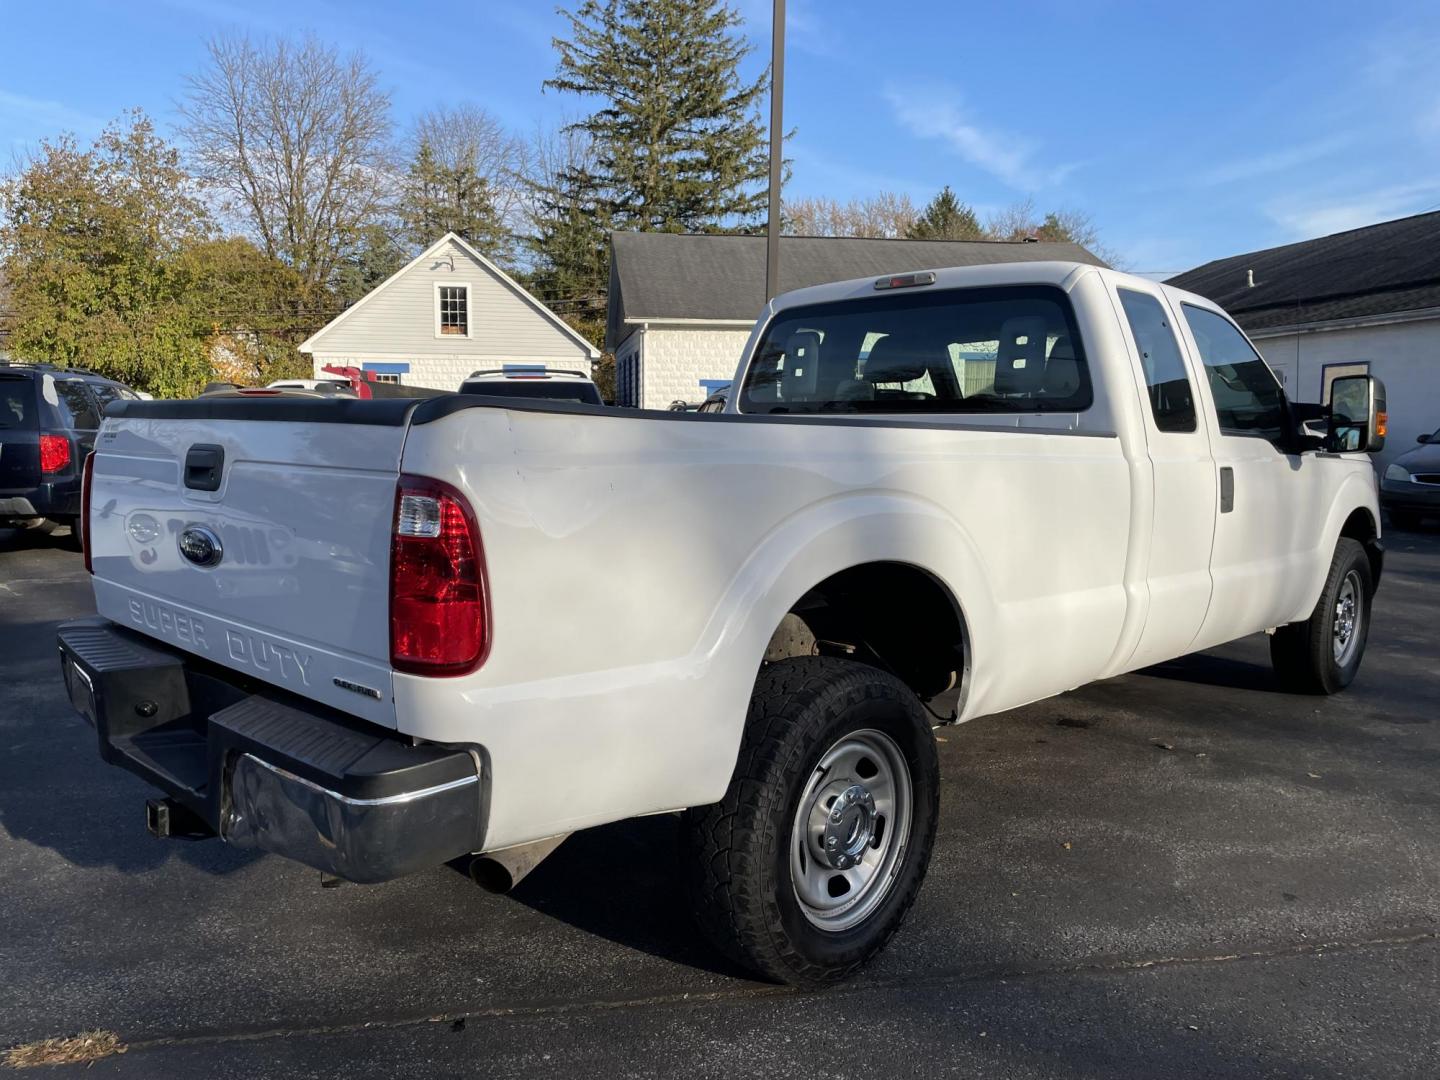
{"points": [[1248, 399], [1171, 402]]}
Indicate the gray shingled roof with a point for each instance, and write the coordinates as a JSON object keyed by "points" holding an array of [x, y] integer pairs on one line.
{"points": [[1377, 270], [701, 276]]}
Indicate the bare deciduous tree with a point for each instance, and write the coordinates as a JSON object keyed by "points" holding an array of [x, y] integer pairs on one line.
{"points": [[1021, 220], [886, 215], [293, 135]]}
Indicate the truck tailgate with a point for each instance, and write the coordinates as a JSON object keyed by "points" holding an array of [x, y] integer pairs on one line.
{"points": [[298, 596]]}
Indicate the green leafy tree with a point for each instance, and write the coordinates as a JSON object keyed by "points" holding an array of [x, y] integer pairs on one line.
{"points": [[946, 218], [92, 241], [251, 309], [677, 141], [437, 198]]}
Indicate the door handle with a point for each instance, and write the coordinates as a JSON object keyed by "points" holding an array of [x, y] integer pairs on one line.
{"points": [[1227, 489]]}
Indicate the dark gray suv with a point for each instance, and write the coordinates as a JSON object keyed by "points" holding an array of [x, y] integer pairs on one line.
{"points": [[48, 419]]}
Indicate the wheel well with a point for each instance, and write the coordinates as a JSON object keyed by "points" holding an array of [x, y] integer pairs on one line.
{"points": [[890, 615], [1361, 526]]}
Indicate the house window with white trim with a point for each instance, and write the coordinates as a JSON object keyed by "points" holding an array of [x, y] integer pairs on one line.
{"points": [[453, 314], [393, 380]]}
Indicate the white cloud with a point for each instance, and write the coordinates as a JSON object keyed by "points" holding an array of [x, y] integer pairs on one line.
{"points": [[1274, 161], [42, 117], [1319, 217], [1009, 158]]}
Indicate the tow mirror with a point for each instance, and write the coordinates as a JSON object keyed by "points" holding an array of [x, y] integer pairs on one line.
{"points": [[1357, 415]]}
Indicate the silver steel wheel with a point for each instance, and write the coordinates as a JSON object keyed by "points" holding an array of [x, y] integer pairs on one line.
{"points": [[851, 829], [1345, 625]]}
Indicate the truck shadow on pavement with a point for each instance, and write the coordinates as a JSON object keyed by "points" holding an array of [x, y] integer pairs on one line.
{"points": [[1207, 669], [623, 883]]}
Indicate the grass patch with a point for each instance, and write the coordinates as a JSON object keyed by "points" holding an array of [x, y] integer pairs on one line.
{"points": [[76, 1049]]}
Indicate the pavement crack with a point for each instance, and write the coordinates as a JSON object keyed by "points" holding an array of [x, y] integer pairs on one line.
{"points": [[752, 991]]}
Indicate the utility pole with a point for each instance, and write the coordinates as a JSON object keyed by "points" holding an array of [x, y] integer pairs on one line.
{"points": [[777, 139]]}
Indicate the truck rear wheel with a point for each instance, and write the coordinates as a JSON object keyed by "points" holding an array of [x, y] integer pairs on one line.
{"points": [[1322, 654], [809, 864]]}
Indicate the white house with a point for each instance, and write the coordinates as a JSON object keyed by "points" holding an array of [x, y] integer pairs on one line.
{"points": [[450, 312], [1365, 301], [681, 306]]}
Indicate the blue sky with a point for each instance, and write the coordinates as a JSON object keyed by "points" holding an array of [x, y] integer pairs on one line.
{"points": [[1187, 132]]}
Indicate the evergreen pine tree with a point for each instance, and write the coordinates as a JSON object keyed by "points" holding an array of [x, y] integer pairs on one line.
{"points": [[946, 218], [678, 143], [437, 199]]}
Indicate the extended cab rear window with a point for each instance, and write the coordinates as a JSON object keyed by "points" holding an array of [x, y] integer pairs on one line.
{"points": [[986, 350]]}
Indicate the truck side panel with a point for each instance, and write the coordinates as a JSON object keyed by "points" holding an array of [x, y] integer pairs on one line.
{"points": [[638, 568]]}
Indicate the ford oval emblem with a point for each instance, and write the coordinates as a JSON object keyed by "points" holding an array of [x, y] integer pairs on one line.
{"points": [[200, 545]]}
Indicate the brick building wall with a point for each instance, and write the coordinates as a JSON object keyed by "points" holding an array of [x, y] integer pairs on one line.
{"points": [[676, 362]]}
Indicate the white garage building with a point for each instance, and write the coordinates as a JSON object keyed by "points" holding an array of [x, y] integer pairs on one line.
{"points": [[1357, 302], [681, 306], [450, 312]]}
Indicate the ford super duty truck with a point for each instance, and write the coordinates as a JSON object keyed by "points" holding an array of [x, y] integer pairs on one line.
{"points": [[375, 636]]}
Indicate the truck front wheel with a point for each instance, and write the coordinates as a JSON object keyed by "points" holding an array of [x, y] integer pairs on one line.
{"points": [[1322, 654], [809, 864]]}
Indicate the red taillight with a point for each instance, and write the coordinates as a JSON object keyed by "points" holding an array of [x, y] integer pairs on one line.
{"points": [[54, 453], [88, 474], [439, 612]]}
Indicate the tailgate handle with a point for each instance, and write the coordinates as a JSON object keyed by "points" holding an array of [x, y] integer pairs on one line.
{"points": [[203, 466]]}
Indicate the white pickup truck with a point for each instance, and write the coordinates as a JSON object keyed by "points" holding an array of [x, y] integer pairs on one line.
{"points": [[374, 636]]}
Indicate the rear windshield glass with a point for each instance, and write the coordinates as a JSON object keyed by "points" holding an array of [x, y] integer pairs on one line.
{"points": [[77, 407], [546, 389], [956, 351], [17, 403]]}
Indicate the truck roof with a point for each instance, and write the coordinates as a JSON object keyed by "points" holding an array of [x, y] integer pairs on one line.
{"points": [[1060, 274]]}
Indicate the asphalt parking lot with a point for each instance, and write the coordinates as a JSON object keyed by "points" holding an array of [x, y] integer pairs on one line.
{"points": [[1181, 872]]}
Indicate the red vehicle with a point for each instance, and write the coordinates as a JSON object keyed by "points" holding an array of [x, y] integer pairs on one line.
{"points": [[365, 386]]}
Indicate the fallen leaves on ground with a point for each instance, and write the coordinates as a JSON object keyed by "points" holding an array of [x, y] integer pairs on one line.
{"points": [[71, 1050]]}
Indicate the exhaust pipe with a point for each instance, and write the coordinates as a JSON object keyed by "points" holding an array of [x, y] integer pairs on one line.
{"points": [[500, 871]]}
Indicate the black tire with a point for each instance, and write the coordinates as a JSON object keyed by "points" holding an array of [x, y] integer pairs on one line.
{"points": [[740, 849], [1307, 655]]}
